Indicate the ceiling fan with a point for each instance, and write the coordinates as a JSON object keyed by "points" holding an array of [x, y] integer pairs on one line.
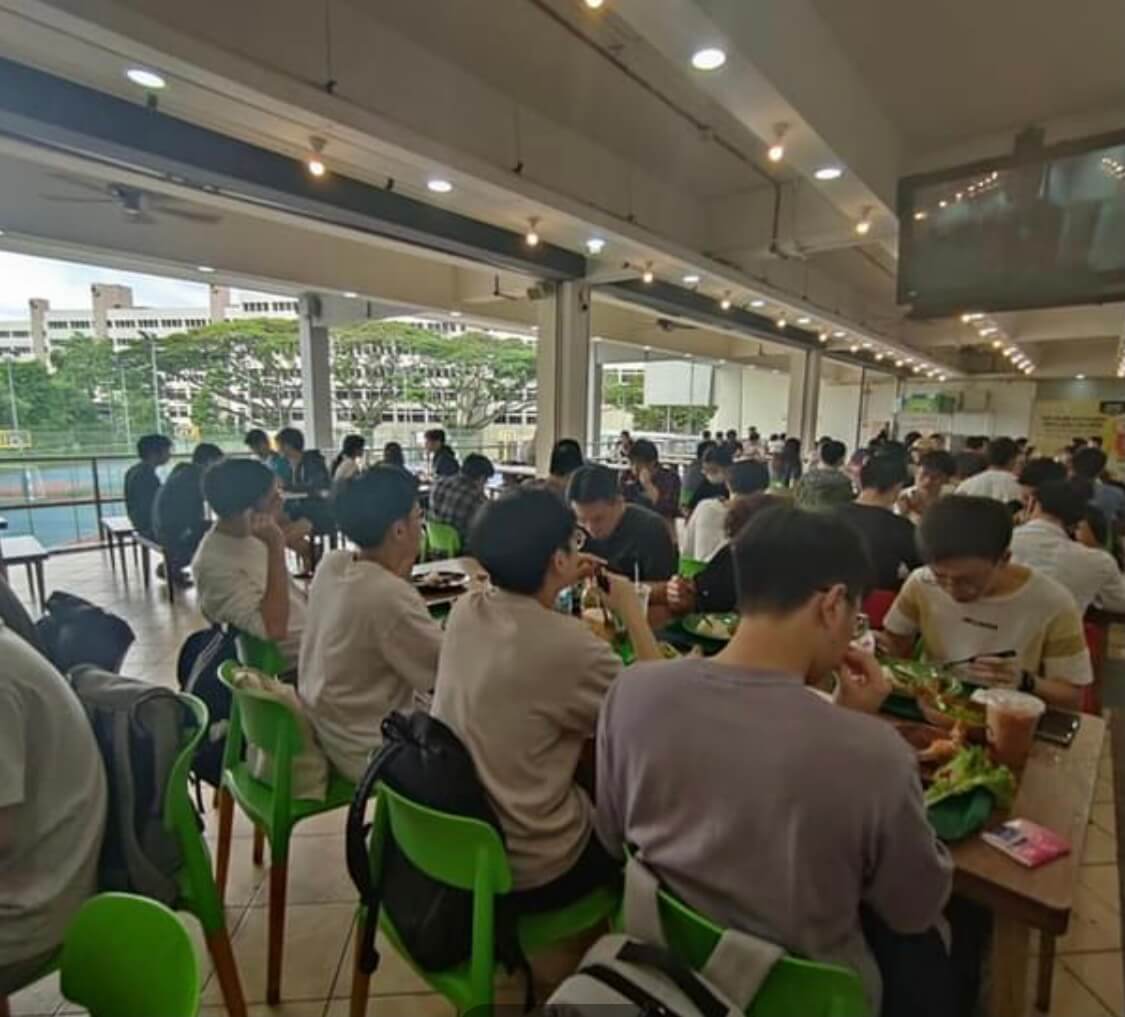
{"points": [[137, 205]]}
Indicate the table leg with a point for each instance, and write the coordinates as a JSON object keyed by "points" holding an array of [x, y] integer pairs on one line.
{"points": [[1011, 952], [41, 580], [145, 565], [108, 538], [121, 553], [31, 592]]}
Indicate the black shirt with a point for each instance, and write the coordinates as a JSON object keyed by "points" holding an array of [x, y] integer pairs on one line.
{"points": [[177, 510], [889, 539], [714, 586], [641, 541], [141, 485]]}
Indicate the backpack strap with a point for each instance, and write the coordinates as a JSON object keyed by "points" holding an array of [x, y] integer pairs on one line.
{"points": [[642, 904]]}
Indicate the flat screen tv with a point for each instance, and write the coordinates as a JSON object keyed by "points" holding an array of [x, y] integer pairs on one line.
{"points": [[1043, 227]]}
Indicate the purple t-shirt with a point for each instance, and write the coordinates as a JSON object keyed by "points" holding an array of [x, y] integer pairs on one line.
{"points": [[769, 809]]}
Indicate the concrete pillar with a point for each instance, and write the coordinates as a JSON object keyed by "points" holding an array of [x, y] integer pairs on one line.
{"points": [[219, 303], [103, 298], [316, 375], [37, 311], [563, 367], [594, 412], [804, 396]]}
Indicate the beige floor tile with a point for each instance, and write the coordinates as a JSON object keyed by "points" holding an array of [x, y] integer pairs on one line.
{"points": [[318, 873], [1101, 974], [394, 976], [244, 878], [1094, 925], [1100, 848], [301, 1008], [1104, 816], [1103, 790], [398, 1006], [41, 997], [1104, 881], [1069, 997], [326, 824], [314, 943]]}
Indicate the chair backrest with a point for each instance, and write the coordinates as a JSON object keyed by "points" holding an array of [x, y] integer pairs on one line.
{"points": [[128, 956], [264, 654], [794, 986], [877, 604], [452, 849], [444, 538]]}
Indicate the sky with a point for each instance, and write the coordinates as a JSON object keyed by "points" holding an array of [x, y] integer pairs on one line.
{"points": [[66, 284]]}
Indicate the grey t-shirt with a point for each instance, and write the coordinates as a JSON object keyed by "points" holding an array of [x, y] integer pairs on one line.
{"points": [[52, 799], [769, 809]]}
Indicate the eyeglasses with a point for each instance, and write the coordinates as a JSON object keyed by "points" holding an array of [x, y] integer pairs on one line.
{"points": [[578, 539]]}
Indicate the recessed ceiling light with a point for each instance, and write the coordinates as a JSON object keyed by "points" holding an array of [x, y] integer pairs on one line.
{"points": [[919, 216], [145, 78], [757, 303], [691, 279], [804, 320], [205, 268], [829, 173], [648, 275], [839, 334], [782, 323], [316, 167], [594, 4], [854, 347], [1080, 377], [725, 302], [531, 237], [709, 59], [439, 185], [350, 294], [824, 337], [456, 314], [595, 245]]}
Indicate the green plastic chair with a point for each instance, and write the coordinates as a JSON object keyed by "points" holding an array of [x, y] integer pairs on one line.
{"points": [[261, 720], [128, 956], [794, 986], [444, 540], [467, 854], [691, 567], [263, 654]]}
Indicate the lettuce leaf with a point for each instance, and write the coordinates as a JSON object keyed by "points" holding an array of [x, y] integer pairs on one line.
{"points": [[971, 768]]}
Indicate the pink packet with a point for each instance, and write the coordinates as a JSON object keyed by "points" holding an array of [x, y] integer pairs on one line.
{"points": [[1028, 843]]}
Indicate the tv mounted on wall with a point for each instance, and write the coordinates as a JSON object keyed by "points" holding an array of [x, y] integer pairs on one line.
{"points": [[1042, 227]]}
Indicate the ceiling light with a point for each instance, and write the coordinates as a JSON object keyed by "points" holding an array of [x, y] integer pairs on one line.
{"points": [[595, 245], [1080, 377], [942, 203], [990, 330], [867, 346], [709, 59], [879, 355], [943, 377], [863, 227], [757, 303], [997, 343], [854, 347], [725, 302], [146, 79], [648, 275], [594, 4], [782, 323], [804, 320], [919, 216], [839, 334], [900, 363], [316, 164], [439, 185], [691, 279], [531, 238], [205, 268], [457, 314], [777, 150], [829, 173], [971, 316], [350, 294], [823, 337]]}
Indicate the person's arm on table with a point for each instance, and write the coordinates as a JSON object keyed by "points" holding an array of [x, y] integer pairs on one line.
{"points": [[274, 606], [861, 684], [901, 626], [623, 601]]}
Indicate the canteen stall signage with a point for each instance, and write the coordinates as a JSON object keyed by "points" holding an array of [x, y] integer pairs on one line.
{"points": [[1058, 422]]}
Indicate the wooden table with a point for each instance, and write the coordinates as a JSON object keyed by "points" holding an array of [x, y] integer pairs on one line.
{"points": [[470, 566], [118, 531], [1056, 791], [29, 552]]}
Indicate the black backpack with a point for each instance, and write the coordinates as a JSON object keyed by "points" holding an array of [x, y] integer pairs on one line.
{"points": [[197, 671], [140, 729], [73, 631], [423, 759]]}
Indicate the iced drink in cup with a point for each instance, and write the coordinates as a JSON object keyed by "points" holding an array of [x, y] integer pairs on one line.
{"points": [[644, 594], [1011, 718]]}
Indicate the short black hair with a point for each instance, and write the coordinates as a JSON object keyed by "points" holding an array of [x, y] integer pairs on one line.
{"points": [[353, 445], [976, 442], [748, 476], [719, 455], [1042, 470], [435, 434], [477, 467], [1065, 501], [255, 437], [643, 451], [392, 454], [591, 483], [703, 446], [1089, 462], [235, 485], [961, 526], [205, 454], [833, 452], [939, 461], [372, 501], [515, 536], [912, 437], [152, 445], [292, 437], [1002, 452], [882, 472], [969, 464], [566, 457], [785, 554]]}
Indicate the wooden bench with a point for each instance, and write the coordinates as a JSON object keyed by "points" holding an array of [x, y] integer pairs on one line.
{"points": [[27, 551], [149, 546], [118, 531]]}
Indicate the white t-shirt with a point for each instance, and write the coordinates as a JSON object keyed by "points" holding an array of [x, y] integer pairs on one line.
{"points": [[231, 575], [347, 469], [369, 644], [1089, 573], [53, 802], [705, 533], [1039, 621], [521, 686], [992, 483]]}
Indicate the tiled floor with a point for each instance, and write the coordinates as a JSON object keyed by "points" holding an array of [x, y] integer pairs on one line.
{"points": [[317, 967]]}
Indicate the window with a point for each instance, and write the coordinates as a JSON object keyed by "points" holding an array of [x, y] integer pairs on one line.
{"points": [[19, 333], [56, 324], [79, 324], [172, 323]]}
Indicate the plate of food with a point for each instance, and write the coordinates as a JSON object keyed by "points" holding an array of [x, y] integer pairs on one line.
{"points": [[437, 581], [950, 708], [909, 677], [718, 627]]}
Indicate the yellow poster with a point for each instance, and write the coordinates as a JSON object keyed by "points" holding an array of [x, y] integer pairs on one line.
{"points": [[1057, 422]]}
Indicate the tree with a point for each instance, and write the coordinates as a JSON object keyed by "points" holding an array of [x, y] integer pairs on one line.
{"points": [[368, 369], [676, 419]]}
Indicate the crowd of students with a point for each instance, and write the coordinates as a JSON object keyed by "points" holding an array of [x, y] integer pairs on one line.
{"points": [[837, 863]]}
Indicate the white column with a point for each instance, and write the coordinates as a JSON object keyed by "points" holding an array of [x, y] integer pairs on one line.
{"points": [[316, 375], [804, 396], [563, 367]]}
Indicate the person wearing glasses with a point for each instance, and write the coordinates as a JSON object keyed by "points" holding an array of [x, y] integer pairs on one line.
{"points": [[1006, 624], [521, 684]]}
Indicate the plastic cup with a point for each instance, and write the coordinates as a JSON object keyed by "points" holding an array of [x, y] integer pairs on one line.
{"points": [[1012, 718], [644, 594]]}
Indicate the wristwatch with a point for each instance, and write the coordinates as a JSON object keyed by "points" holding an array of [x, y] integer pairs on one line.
{"points": [[1027, 681]]}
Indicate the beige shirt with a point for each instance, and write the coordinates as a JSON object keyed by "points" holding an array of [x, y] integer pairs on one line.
{"points": [[1091, 574], [369, 644], [521, 687]]}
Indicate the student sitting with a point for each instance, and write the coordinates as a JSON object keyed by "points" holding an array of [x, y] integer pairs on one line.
{"points": [[566, 457], [765, 807], [1044, 543], [889, 538], [694, 477], [650, 484], [827, 485], [456, 499], [1089, 463], [347, 463], [712, 486], [707, 531], [178, 516], [932, 480], [369, 642], [240, 565], [999, 480], [53, 803], [258, 442], [142, 482], [520, 684], [632, 540], [443, 460], [971, 602], [393, 455]]}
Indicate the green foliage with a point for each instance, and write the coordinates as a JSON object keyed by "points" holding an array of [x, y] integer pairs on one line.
{"points": [[623, 393], [674, 419]]}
